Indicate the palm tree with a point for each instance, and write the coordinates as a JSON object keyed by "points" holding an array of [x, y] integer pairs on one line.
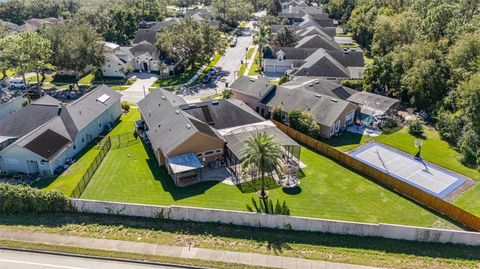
{"points": [[263, 153], [262, 36]]}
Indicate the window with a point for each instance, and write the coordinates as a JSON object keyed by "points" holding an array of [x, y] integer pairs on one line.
{"points": [[74, 146], [210, 152], [349, 118], [100, 124], [218, 151], [199, 155]]}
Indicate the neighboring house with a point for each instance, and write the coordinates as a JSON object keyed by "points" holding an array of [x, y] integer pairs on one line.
{"points": [[315, 62], [186, 137], [288, 5], [325, 100], [374, 106], [251, 90], [12, 27], [33, 24], [318, 41], [149, 31], [201, 15], [11, 106], [42, 136], [117, 61], [141, 57]]}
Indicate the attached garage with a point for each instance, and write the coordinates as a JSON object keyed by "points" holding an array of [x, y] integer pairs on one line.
{"points": [[270, 69]]}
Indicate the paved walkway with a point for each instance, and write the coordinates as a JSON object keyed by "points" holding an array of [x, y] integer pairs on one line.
{"points": [[139, 88], [251, 61], [172, 251]]}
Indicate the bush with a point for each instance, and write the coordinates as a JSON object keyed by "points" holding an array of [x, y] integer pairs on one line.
{"points": [[356, 84], [22, 199], [415, 128], [227, 94], [125, 106], [277, 113], [283, 80]]}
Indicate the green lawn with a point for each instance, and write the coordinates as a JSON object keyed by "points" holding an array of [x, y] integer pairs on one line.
{"points": [[242, 69], [250, 52], [328, 190], [254, 69], [178, 79]]}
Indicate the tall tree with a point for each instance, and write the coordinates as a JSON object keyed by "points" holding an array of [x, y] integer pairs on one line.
{"points": [[262, 35], [262, 153], [274, 7], [76, 46], [286, 37], [232, 12], [120, 25], [28, 52], [189, 41]]}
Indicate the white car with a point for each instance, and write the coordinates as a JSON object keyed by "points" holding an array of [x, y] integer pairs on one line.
{"points": [[16, 84]]}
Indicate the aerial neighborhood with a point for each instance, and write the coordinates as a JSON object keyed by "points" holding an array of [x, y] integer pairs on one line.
{"points": [[239, 134]]}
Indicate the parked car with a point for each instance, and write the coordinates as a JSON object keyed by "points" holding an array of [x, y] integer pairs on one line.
{"points": [[17, 84], [233, 43]]}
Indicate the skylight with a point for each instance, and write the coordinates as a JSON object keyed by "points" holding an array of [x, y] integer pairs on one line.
{"points": [[104, 98]]}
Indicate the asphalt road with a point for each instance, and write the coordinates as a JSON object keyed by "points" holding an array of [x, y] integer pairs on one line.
{"points": [[30, 260]]}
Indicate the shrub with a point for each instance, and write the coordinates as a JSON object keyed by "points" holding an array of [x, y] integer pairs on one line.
{"points": [[227, 94], [356, 84], [22, 199], [277, 113], [125, 106], [283, 80], [415, 128]]}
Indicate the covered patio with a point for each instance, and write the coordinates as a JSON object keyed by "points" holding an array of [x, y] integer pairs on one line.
{"points": [[185, 169]]}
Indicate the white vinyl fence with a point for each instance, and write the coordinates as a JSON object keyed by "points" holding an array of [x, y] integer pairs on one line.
{"points": [[278, 222]]}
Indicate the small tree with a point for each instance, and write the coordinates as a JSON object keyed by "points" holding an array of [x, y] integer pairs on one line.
{"points": [[283, 80], [277, 113], [415, 128], [286, 37], [274, 7]]}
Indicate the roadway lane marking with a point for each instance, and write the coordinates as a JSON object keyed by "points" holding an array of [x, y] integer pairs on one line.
{"points": [[42, 264]]}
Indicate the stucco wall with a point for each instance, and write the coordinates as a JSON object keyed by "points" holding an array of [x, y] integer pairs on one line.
{"points": [[279, 222], [11, 107], [252, 102]]}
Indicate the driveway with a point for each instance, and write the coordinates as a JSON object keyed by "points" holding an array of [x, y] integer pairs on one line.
{"points": [[139, 89]]}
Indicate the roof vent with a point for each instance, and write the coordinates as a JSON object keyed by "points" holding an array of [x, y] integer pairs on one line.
{"points": [[318, 96], [189, 126], [177, 111], [214, 102], [311, 84], [192, 105], [164, 98], [317, 82], [334, 100], [252, 80]]}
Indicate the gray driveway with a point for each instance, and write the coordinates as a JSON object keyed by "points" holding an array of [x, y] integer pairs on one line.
{"points": [[139, 89]]}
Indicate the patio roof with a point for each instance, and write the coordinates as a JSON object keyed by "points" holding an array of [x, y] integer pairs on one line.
{"points": [[184, 163]]}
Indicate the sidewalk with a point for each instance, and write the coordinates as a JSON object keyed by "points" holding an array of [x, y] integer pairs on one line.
{"points": [[250, 61], [172, 251]]}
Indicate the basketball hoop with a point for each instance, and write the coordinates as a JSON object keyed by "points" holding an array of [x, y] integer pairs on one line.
{"points": [[418, 144]]}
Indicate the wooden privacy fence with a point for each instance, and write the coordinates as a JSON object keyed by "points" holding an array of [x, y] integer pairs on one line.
{"points": [[441, 206], [104, 146]]}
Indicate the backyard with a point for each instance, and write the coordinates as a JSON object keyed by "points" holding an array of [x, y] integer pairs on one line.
{"points": [[328, 190]]}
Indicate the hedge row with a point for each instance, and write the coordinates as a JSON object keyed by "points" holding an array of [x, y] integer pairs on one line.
{"points": [[23, 199]]}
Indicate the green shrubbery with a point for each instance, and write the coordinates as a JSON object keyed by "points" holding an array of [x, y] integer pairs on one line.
{"points": [[23, 199], [304, 123], [415, 128]]}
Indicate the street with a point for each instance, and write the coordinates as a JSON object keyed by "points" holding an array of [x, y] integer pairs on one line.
{"points": [[29, 260]]}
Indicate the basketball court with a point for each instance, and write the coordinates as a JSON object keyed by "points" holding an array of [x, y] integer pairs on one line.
{"points": [[421, 174]]}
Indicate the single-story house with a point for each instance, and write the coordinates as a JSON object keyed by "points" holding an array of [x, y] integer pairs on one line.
{"points": [[186, 137], [324, 99], [11, 106], [44, 135]]}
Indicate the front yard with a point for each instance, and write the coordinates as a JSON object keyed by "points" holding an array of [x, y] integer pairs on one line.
{"points": [[328, 190]]}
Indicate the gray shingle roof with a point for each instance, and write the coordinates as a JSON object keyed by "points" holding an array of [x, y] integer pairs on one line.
{"points": [[324, 109], [321, 86], [223, 114], [318, 41], [145, 47], [253, 87], [87, 108], [168, 125], [150, 34]]}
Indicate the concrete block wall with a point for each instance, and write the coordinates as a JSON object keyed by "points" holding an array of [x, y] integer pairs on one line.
{"points": [[391, 231]]}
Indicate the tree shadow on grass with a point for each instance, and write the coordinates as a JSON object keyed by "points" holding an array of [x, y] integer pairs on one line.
{"points": [[275, 240], [161, 174], [344, 139], [256, 185]]}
